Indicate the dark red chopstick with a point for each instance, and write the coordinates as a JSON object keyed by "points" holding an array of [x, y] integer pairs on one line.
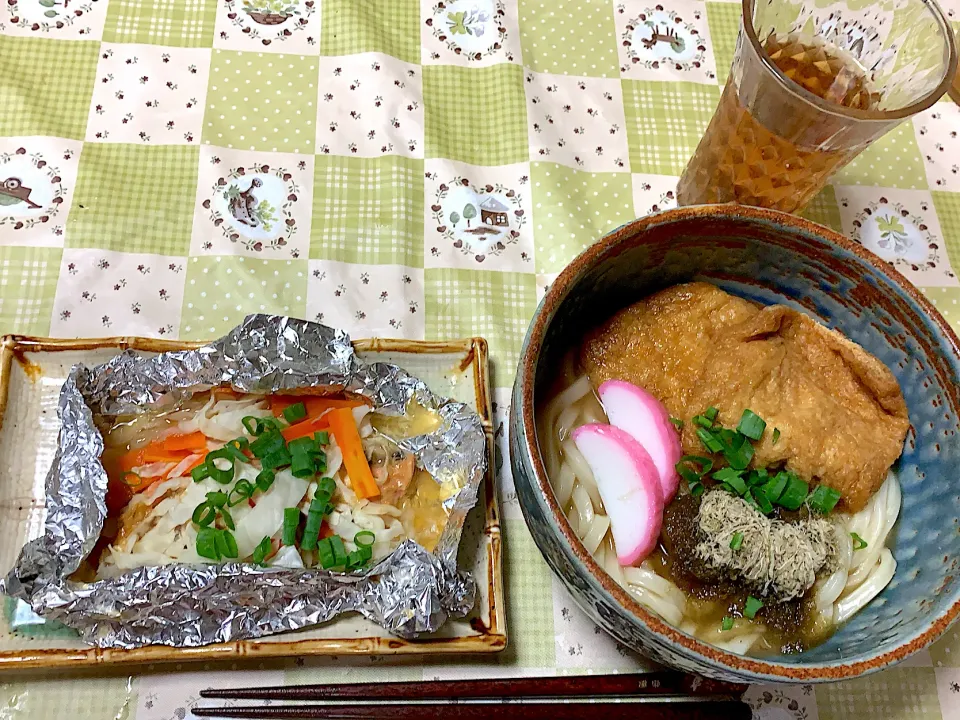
{"points": [[657, 710], [627, 685]]}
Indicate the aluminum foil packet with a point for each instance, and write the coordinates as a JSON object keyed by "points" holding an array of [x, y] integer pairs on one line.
{"points": [[408, 593]]}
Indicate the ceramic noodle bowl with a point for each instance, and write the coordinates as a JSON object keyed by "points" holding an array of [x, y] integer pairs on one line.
{"points": [[767, 257]]}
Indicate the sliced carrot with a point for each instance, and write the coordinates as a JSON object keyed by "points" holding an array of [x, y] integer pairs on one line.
{"points": [[192, 442], [307, 427], [345, 432], [313, 404]]}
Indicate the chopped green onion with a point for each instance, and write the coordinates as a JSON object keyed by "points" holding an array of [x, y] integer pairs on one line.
{"points": [[739, 457], [823, 499], [364, 538], [726, 624], [711, 413], [858, 542], [262, 550], [204, 514], [267, 443], [306, 445], [794, 493], [200, 473], [776, 435], [365, 551], [697, 489], [276, 459], [312, 531], [302, 465], [339, 551], [690, 475], [757, 477], [773, 489], [227, 544], [221, 475], [236, 448], [243, 490], [677, 423], [207, 543], [291, 520], [732, 478], [297, 411], [751, 425], [322, 437], [228, 521], [325, 554], [709, 440], [354, 560], [257, 426], [736, 541], [265, 480], [327, 485], [218, 499], [763, 502], [703, 421], [752, 606]]}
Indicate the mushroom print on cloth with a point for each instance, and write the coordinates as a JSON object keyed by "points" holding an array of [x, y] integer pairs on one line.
{"points": [[417, 169]]}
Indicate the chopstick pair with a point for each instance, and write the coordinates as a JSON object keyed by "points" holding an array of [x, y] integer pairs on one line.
{"points": [[657, 696]]}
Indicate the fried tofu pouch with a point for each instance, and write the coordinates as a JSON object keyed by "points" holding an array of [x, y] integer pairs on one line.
{"points": [[840, 412]]}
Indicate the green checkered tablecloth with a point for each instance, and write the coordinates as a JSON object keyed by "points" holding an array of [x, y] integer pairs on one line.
{"points": [[401, 168]]}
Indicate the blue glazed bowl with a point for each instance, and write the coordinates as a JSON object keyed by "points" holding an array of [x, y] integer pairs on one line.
{"points": [[768, 257]]}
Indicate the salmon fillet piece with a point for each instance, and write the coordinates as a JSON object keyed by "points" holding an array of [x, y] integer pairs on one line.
{"points": [[840, 412]]}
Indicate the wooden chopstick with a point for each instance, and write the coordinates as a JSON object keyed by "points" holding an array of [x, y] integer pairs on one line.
{"points": [[626, 685], [659, 710]]}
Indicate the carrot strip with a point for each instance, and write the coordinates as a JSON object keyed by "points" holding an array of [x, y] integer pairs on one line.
{"points": [[192, 442], [314, 405], [306, 427], [344, 430]]}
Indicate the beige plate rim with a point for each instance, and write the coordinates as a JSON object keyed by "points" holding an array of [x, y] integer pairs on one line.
{"points": [[491, 638]]}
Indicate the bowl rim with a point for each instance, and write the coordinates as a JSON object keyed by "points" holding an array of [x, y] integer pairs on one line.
{"points": [[702, 651]]}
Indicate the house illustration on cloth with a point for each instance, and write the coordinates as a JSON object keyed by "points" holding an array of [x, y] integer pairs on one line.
{"points": [[493, 212]]}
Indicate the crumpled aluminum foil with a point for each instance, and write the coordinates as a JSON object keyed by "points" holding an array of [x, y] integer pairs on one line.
{"points": [[408, 593]]}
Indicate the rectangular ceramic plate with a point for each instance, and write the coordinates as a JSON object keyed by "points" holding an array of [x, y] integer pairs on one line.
{"points": [[32, 371]]}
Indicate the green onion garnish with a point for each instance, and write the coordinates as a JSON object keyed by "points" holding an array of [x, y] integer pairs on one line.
{"points": [[726, 624], [297, 411], [227, 544], [773, 489], [858, 542], [252, 425], [265, 480], [228, 521], [703, 421], [709, 440], [776, 435], [291, 520], [305, 445], [243, 490], [689, 474], [732, 478], [751, 425], [364, 538], [262, 550], [739, 457], [204, 514], [218, 499], [221, 475], [752, 606], [697, 489], [236, 447], [794, 493], [757, 477], [823, 499], [302, 465], [354, 559], [763, 502], [711, 413], [339, 550], [276, 459], [322, 437], [267, 443], [207, 543], [325, 554], [200, 473], [736, 541], [677, 423], [311, 531]]}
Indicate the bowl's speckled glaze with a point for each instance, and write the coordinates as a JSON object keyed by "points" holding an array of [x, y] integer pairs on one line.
{"points": [[768, 257]]}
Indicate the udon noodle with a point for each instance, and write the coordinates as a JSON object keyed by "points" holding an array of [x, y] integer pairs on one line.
{"points": [[859, 575]]}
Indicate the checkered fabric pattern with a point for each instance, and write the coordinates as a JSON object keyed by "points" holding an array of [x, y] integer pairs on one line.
{"points": [[416, 168]]}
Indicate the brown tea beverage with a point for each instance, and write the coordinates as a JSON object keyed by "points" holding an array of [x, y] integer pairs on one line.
{"points": [[759, 150]]}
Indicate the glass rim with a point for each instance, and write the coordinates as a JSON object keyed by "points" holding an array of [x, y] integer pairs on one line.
{"points": [[746, 26]]}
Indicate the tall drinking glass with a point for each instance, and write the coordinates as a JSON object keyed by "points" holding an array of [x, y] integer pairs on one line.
{"points": [[812, 84]]}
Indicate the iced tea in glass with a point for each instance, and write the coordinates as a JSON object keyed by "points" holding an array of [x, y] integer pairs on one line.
{"points": [[809, 89]]}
